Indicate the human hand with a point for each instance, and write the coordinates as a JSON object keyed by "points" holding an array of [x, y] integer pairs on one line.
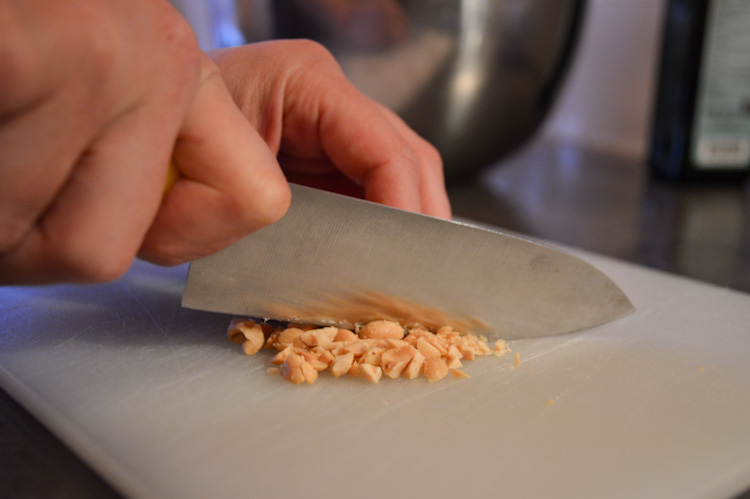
{"points": [[95, 97], [325, 132]]}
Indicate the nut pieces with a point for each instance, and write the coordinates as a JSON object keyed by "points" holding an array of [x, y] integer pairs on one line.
{"points": [[379, 348]]}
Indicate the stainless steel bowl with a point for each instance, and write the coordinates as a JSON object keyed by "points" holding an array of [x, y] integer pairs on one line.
{"points": [[474, 77]]}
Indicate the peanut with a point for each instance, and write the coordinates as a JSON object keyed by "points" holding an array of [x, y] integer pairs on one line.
{"points": [[395, 360], [370, 373], [345, 335], [435, 369], [416, 364], [289, 335], [382, 330], [380, 348], [291, 370], [342, 364], [241, 330], [429, 351]]}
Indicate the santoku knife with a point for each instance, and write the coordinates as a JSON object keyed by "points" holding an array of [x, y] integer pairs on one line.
{"points": [[333, 259]]}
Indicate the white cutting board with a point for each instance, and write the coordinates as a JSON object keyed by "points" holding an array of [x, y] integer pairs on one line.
{"points": [[157, 400]]}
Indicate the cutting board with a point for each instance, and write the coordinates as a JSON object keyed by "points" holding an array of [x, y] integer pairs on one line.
{"points": [[162, 405]]}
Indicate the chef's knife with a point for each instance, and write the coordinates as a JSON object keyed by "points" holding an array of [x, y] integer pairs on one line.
{"points": [[333, 259]]}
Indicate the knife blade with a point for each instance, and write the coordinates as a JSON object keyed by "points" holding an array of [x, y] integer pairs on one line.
{"points": [[333, 259]]}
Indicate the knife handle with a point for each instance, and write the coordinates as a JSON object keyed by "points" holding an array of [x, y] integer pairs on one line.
{"points": [[173, 175]]}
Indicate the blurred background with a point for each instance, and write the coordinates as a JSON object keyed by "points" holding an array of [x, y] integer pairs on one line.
{"points": [[477, 78]]}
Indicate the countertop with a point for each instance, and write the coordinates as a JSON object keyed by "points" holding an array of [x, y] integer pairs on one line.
{"points": [[557, 192]]}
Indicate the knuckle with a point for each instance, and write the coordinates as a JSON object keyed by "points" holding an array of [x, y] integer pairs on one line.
{"points": [[92, 264], [104, 51], [433, 161], [310, 49], [266, 208], [176, 32], [412, 158], [310, 57], [209, 71], [165, 253]]}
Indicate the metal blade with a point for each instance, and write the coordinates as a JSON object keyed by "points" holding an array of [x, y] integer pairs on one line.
{"points": [[333, 259]]}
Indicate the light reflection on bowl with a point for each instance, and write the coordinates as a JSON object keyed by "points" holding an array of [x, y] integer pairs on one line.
{"points": [[474, 77]]}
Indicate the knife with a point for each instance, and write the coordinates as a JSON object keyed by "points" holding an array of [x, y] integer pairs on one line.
{"points": [[337, 260]]}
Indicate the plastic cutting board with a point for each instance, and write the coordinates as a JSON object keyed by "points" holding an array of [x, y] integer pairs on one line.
{"points": [[162, 405]]}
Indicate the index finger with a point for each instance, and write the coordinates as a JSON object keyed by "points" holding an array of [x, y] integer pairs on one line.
{"points": [[365, 146]]}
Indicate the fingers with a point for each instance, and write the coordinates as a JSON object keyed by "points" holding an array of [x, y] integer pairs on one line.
{"points": [[94, 227], [38, 148], [432, 180], [231, 183], [37, 153], [87, 120], [375, 148], [111, 207], [326, 132]]}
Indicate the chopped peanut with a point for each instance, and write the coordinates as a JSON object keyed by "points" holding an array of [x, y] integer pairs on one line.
{"points": [[314, 360], [358, 348], [272, 339], [345, 335], [289, 335], [281, 356], [309, 372], [373, 355], [454, 357], [251, 347], [416, 364], [435, 369], [447, 333], [429, 351], [248, 334], [241, 330], [467, 352], [323, 355], [382, 330], [395, 360], [342, 364], [291, 370], [391, 343], [444, 330], [418, 332], [376, 349], [370, 373], [500, 348], [319, 337], [438, 342]]}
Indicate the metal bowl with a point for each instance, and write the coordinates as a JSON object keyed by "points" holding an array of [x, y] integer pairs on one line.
{"points": [[474, 77]]}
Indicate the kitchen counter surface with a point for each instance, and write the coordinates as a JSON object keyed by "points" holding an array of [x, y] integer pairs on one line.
{"points": [[564, 194]]}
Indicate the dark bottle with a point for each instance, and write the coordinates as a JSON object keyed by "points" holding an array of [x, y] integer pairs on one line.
{"points": [[701, 126]]}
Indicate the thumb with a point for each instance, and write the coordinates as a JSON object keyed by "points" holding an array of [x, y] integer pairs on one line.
{"points": [[231, 183]]}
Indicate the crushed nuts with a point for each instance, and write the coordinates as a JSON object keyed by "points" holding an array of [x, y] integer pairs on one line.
{"points": [[379, 348]]}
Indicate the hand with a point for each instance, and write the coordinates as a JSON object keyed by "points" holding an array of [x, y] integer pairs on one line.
{"points": [[95, 97], [325, 132]]}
